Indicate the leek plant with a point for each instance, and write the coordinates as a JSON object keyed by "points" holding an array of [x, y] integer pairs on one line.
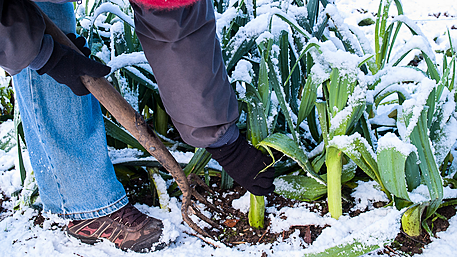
{"points": [[426, 125], [344, 105], [258, 102], [417, 121], [383, 33], [422, 121], [385, 38], [283, 81]]}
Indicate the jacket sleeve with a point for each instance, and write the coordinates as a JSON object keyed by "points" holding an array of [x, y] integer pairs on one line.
{"points": [[183, 50], [22, 34]]}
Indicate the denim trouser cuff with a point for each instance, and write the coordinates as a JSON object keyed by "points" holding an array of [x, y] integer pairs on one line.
{"points": [[97, 213]]}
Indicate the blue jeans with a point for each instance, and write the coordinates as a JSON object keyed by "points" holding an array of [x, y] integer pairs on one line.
{"points": [[65, 137]]}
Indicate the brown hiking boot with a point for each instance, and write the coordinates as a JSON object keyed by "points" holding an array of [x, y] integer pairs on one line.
{"points": [[127, 228]]}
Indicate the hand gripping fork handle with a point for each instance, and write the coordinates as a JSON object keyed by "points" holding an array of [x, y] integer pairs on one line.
{"points": [[131, 120]]}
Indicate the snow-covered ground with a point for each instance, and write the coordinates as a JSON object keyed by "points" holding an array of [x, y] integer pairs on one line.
{"points": [[20, 237]]}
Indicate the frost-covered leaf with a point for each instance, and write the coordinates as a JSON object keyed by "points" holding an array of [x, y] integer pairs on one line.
{"points": [[289, 147], [443, 131], [429, 168], [304, 188], [392, 154], [357, 148], [299, 188], [411, 109], [411, 219], [353, 249], [257, 121], [308, 99]]}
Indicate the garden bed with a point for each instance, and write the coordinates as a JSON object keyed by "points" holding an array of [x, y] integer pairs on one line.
{"points": [[238, 231]]}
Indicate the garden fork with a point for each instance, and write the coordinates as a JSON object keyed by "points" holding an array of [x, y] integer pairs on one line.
{"points": [[131, 120]]}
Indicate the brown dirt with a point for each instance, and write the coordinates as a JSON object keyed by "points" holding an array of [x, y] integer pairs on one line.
{"points": [[236, 225], [39, 220], [236, 229]]}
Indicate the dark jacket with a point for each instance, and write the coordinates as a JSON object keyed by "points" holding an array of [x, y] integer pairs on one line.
{"points": [[22, 32], [21, 29], [181, 46]]}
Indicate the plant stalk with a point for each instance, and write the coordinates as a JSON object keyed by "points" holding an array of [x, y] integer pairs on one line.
{"points": [[334, 168], [160, 187], [257, 211], [161, 120]]}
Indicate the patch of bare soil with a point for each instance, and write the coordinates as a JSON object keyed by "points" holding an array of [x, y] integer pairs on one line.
{"points": [[236, 229]]}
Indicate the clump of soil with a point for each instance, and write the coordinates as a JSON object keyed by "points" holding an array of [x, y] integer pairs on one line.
{"points": [[411, 246], [39, 220]]}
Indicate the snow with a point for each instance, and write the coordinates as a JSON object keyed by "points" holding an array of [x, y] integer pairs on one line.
{"points": [[287, 217], [390, 140], [378, 225], [20, 237], [111, 8], [123, 60], [243, 72], [367, 193], [242, 203], [224, 20], [338, 22]]}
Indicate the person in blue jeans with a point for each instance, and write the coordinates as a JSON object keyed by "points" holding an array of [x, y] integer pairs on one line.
{"points": [[63, 124]]}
